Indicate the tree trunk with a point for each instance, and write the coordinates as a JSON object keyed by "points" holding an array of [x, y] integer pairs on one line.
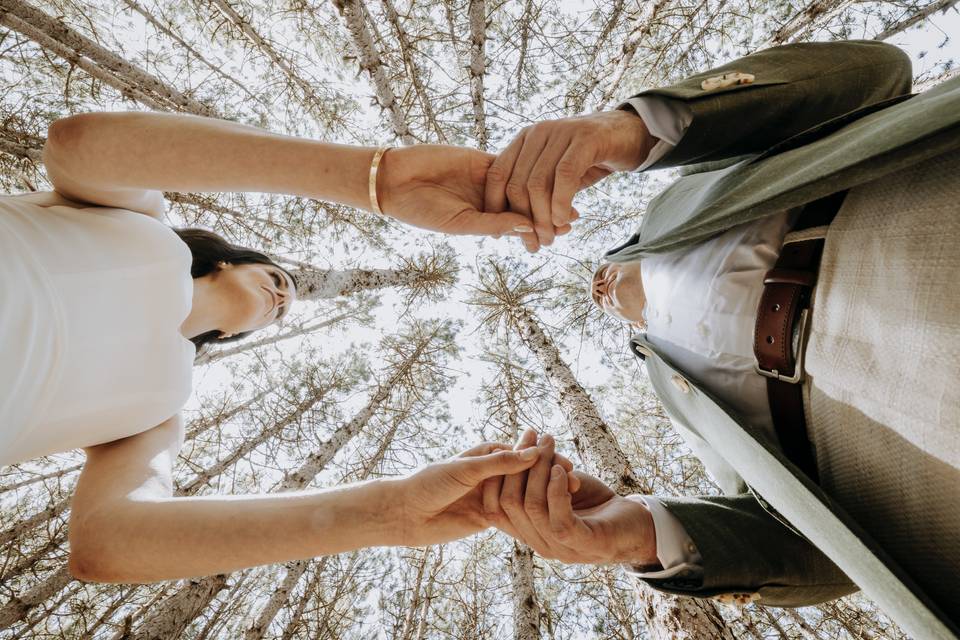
{"points": [[297, 616], [410, 622], [645, 23], [129, 79], [672, 617], [413, 69], [17, 608], [589, 78], [477, 14], [592, 437], [59, 473], [213, 355], [428, 595], [369, 58], [180, 609], [332, 283], [526, 609]]}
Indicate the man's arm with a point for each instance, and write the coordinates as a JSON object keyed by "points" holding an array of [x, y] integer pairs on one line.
{"points": [[737, 547], [748, 555], [745, 107], [755, 102]]}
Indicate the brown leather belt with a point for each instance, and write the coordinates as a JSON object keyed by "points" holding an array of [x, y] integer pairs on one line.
{"points": [[782, 313]]}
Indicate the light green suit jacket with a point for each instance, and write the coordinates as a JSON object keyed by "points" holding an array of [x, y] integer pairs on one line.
{"points": [[818, 118]]}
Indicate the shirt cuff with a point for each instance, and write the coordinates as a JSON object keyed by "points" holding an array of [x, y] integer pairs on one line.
{"points": [[676, 550], [665, 119]]}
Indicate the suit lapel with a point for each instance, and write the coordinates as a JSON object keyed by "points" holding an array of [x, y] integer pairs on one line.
{"points": [[814, 164], [794, 497]]}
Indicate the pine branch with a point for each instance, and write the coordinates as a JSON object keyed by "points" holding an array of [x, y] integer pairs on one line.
{"points": [[805, 21], [315, 103], [167, 30], [413, 70], [915, 18]]}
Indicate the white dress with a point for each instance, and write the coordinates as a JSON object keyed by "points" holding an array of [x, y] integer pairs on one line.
{"points": [[91, 302]]}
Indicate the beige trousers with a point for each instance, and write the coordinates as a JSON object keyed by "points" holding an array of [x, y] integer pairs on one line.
{"points": [[883, 364]]}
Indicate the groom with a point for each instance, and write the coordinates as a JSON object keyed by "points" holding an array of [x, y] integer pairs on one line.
{"points": [[798, 303]]}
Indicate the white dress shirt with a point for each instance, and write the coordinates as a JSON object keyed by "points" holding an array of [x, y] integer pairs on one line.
{"points": [[700, 311]]}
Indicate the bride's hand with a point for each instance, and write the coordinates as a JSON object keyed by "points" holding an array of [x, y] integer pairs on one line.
{"points": [[443, 501], [441, 188]]}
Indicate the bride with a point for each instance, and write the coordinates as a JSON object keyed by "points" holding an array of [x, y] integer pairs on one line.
{"points": [[102, 306]]}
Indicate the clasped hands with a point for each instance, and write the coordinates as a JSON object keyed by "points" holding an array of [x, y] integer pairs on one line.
{"points": [[526, 191], [538, 499]]}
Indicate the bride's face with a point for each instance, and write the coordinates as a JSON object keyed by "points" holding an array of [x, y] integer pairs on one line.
{"points": [[253, 295], [618, 290]]}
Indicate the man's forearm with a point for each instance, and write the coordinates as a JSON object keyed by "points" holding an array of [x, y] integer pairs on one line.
{"points": [[167, 152]]}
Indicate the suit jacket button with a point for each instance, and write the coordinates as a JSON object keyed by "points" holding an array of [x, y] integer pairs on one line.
{"points": [[682, 385]]}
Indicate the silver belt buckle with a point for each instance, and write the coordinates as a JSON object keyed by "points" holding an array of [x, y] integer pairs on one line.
{"points": [[798, 356]]}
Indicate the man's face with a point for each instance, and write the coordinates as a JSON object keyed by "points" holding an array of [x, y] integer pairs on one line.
{"points": [[618, 290]]}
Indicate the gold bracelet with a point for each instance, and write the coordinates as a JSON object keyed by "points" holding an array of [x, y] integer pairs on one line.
{"points": [[374, 165]]}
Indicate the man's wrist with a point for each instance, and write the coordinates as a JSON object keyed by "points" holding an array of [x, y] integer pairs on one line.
{"points": [[640, 537], [632, 140]]}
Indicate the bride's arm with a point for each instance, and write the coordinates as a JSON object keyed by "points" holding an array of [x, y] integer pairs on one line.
{"points": [[116, 158], [127, 160], [125, 526]]}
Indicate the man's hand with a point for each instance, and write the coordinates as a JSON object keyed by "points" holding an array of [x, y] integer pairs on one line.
{"points": [[443, 501], [542, 169], [440, 187], [592, 525]]}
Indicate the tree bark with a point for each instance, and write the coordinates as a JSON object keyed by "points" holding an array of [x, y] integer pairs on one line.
{"points": [[180, 609], [41, 517], [410, 622], [322, 284], [59, 473], [19, 606], [297, 616], [477, 14]]}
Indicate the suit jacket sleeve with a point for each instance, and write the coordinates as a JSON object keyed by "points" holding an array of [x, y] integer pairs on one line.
{"points": [[795, 87], [749, 555]]}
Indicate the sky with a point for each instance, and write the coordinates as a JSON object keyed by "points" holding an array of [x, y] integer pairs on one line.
{"points": [[923, 44]]}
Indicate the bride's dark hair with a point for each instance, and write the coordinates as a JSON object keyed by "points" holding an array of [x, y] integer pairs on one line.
{"points": [[208, 250]]}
